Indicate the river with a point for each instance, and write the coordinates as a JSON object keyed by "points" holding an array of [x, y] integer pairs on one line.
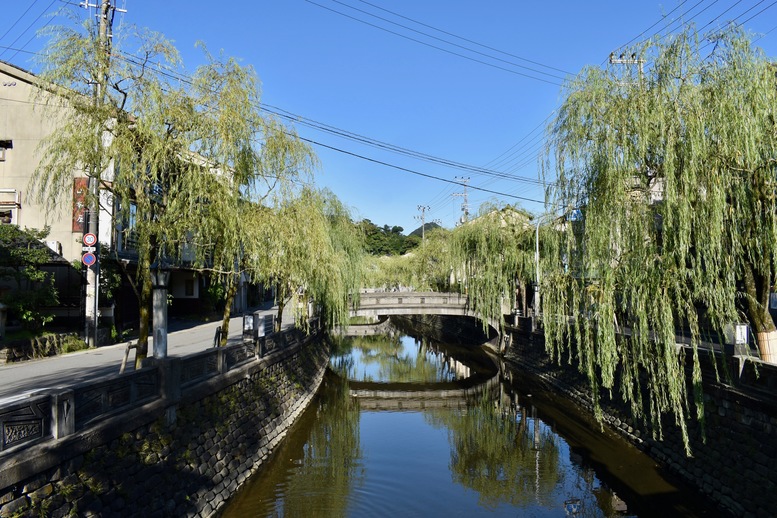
{"points": [[408, 427]]}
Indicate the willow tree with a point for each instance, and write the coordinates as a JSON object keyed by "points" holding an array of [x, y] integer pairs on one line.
{"points": [[307, 247], [117, 134], [672, 169], [491, 257], [240, 159]]}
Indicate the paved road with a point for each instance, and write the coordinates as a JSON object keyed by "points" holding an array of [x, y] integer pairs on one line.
{"points": [[23, 378]]}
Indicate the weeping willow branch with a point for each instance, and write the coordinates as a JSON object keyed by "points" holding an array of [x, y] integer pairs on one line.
{"points": [[673, 176]]}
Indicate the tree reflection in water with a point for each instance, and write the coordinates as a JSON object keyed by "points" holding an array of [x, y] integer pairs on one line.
{"points": [[505, 458], [501, 457], [395, 358]]}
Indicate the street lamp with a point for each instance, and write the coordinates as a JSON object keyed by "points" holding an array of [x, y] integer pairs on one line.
{"points": [[537, 266], [537, 269], [160, 277]]}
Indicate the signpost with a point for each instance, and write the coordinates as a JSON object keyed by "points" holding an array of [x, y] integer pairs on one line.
{"points": [[89, 241], [89, 259]]}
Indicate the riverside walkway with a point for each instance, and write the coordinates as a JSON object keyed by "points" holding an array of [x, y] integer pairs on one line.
{"points": [[22, 379]]}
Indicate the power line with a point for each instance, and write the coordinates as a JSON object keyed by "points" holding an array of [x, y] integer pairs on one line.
{"points": [[299, 119], [411, 171], [632, 40], [433, 46], [14, 24], [446, 41], [28, 28], [465, 39], [759, 12]]}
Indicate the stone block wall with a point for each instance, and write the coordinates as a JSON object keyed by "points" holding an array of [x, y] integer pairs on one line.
{"points": [[734, 453], [182, 460], [40, 347]]}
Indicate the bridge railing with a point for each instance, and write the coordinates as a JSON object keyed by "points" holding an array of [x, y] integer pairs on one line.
{"points": [[54, 414]]}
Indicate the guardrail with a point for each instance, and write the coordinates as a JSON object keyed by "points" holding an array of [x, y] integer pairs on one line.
{"points": [[33, 418]]}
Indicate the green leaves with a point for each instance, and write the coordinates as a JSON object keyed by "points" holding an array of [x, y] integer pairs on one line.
{"points": [[675, 171], [23, 258]]}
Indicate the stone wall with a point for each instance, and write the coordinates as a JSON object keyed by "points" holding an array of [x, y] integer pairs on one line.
{"points": [[40, 347], [185, 459], [734, 454]]}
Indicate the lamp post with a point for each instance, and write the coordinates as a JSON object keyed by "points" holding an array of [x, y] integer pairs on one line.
{"points": [[537, 267], [160, 277]]}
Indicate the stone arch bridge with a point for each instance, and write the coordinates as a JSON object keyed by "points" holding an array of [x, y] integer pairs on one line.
{"points": [[386, 303]]}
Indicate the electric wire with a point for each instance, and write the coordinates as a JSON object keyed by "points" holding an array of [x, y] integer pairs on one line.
{"points": [[411, 171], [291, 117], [28, 28], [467, 40], [14, 24], [433, 46], [446, 41]]}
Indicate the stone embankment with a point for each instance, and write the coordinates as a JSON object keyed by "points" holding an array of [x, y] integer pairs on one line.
{"points": [[734, 454], [182, 455]]}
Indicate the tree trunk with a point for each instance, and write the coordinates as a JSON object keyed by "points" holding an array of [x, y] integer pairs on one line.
{"points": [[758, 290], [279, 318], [229, 297], [145, 321]]}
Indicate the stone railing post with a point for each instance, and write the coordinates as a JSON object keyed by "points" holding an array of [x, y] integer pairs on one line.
{"points": [[63, 416], [221, 361], [170, 379]]}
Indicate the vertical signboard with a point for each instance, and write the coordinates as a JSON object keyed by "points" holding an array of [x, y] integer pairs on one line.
{"points": [[80, 188]]}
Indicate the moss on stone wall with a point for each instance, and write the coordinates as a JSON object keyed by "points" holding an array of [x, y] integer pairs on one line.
{"points": [[189, 467]]}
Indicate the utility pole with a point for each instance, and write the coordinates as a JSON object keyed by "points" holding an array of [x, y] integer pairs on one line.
{"points": [[422, 219], [465, 204], [105, 15]]}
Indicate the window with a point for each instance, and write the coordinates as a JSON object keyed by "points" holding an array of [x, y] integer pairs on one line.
{"points": [[6, 216], [10, 204], [189, 287], [5, 144]]}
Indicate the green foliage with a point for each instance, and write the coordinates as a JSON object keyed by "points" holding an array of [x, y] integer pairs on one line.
{"points": [[316, 257], [487, 258], [72, 343], [490, 255], [386, 240], [674, 172], [22, 254], [188, 165]]}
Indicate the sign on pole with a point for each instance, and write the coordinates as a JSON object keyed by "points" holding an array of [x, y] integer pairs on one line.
{"points": [[89, 239], [88, 259]]}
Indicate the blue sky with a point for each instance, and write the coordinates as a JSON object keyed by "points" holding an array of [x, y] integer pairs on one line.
{"points": [[459, 82]]}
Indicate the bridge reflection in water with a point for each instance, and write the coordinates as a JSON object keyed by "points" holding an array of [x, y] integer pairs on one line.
{"points": [[409, 427]]}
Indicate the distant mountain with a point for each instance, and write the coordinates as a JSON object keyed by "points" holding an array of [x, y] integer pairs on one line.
{"points": [[425, 228]]}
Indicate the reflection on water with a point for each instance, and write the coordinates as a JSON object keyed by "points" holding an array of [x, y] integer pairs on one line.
{"points": [[398, 359], [491, 451]]}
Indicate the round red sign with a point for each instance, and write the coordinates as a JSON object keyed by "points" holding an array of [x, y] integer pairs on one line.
{"points": [[90, 239], [88, 259]]}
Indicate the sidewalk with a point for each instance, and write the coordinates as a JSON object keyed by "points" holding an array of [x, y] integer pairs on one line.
{"points": [[23, 378]]}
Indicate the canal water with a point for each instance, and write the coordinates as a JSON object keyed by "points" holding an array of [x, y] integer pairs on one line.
{"points": [[408, 427]]}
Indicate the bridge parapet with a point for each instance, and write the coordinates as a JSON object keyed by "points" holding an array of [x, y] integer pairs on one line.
{"points": [[412, 303]]}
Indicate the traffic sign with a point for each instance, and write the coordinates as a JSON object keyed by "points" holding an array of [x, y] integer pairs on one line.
{"points": [[88, 259], [88, 249], [89, 239]]}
